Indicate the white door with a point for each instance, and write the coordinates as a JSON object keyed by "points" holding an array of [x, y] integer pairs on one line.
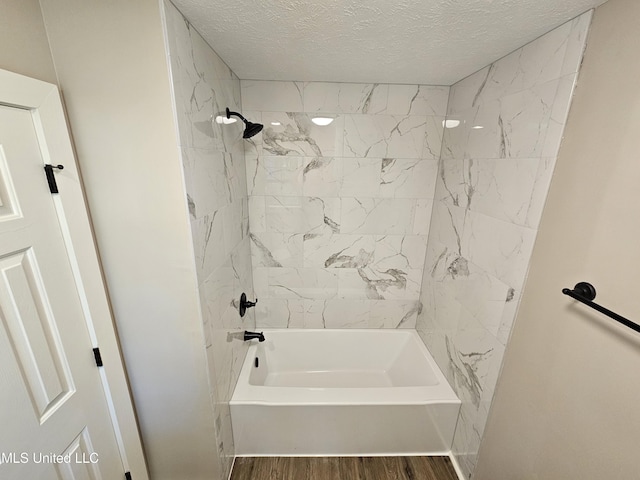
{"points": [[54, 417]]}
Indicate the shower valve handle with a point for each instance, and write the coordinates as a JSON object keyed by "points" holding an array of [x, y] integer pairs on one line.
{"points": [[244, 304]]}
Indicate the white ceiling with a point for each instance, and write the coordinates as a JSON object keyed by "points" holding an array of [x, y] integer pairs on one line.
{"points": [[433, 42]]}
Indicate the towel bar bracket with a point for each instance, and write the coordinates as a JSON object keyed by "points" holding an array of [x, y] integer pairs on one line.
{"points": [[584, 289], [585, 292]]}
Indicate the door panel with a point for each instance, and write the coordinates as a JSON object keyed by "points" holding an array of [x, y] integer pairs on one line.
{"points": [[9, 208], [52, 401], [84, 466], [33, 334]]}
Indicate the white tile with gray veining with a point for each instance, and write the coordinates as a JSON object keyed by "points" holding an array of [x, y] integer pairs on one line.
{"points": [[343, 313], [334, 250], [558, 117], [321, 215], [500, 248], [279, 313], [466, 93], [417, 100], [547, 58], [284, 214], [358, 192], [293, 133], [276, 249], [313, 317], [379, 284], [505, 125], [514, 126], [233, 224], [338, 313], [394, 313], [454, 186], [322, 176], [275, 175], [422, 216], [206, 181], [209, 243], [204, 86], [257, 214], [408, 178], [377, 215], [508, 315], [302, 283], [388, 136], [361, 177], [536, 63], [576, 43], [524, 120], [303, 215], [325, 97], [506, 189], [399, 252], [484, 297], [447, 226]]}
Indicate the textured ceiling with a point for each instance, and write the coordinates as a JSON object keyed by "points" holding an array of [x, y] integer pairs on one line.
{"points": [[435, 42]]}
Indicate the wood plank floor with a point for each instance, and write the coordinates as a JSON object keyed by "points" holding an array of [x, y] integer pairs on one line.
{"points": [[343, 468]]}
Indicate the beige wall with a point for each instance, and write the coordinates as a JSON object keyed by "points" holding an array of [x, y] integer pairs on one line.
{"points": [[566, 406], [23, 40], [112, 68]]}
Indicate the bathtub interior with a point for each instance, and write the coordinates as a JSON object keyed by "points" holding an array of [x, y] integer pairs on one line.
{"points": [[341, 361]]}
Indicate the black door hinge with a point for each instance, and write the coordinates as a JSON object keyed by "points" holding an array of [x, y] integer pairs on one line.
{"points": [[51, 179], [127, 476], [98, 357]]}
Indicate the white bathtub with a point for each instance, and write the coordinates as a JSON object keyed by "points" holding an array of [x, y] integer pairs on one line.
{"points": [[342, 392]]}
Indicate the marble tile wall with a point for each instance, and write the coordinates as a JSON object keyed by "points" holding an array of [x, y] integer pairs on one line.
{"points": [[215, 178], [497, 160], [339, 214]]}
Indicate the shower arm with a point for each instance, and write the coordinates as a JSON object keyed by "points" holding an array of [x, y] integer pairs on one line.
{"points": [[229, 113]]}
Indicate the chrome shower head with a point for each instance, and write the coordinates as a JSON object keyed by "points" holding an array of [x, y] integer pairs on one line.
{"points": [[250, 128]]}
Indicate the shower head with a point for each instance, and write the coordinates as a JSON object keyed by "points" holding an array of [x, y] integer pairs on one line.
{"points": [[250, 128]]}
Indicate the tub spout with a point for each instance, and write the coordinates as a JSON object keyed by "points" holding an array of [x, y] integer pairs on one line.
{"points": [[252, 335]]}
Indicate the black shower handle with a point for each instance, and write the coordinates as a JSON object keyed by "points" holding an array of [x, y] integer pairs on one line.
{"points": [[244, 304]]}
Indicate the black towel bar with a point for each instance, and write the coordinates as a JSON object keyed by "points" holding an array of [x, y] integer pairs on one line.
{"points": [[585, 292]]}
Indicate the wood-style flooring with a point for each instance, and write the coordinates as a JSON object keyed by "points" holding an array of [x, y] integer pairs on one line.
{"points": [[343, 468]]}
